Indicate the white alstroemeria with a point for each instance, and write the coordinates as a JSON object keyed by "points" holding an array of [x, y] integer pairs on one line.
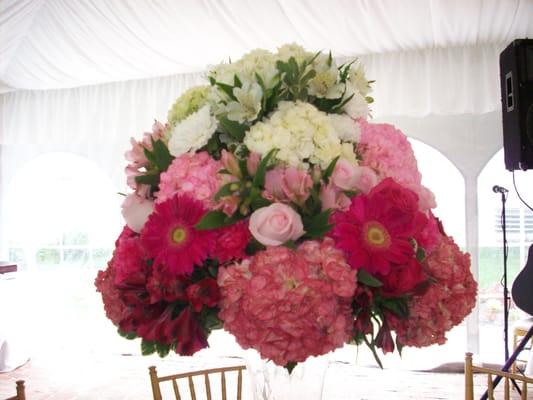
{"points": [[358, 79], [248, 103], [193, 132], [224, 72], [324, 84], [347, 129], [357, 107]]}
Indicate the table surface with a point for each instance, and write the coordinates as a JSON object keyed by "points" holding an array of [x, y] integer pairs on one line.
{"points": [[6, 267]]}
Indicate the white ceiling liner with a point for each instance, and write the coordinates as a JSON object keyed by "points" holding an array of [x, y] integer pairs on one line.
{"points": [[68, 43]]}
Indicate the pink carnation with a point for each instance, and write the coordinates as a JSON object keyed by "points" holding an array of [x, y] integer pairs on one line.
{"points": [[446, 302], [289, 304], [129, 261], [195, 174]]}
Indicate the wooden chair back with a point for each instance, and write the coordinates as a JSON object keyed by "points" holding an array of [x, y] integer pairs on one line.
{"points": [[521, 380], [21, 392], [188, 376]]}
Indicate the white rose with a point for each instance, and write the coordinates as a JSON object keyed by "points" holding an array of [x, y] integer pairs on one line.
{"points": [[135, 210]]}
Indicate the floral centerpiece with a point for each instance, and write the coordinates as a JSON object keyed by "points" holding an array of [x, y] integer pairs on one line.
{"points": [[269, 206]]}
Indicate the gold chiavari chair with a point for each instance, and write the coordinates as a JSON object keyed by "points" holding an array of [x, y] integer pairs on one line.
{"points": [[21, 392], [192, 383], [521, 380]]}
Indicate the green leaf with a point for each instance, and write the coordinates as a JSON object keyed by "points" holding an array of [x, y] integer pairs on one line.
{"points": [[233, 128], [228, 89], [365, 278], [397, 305], [162, 349], [253, 247], [290, 244], [338, 108], [212, 220], [236, 81], [151, 179], [127, 335], [290, 366], [224, 191], [329, 170], [150, 156], [259, 178], [212, 80], [148, 347], [316, 226], [399, 346], [420, 254], [162, 155], [260, 202]]}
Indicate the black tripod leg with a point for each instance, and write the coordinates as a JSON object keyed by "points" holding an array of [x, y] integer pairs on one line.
{"points": [[511, 360]]}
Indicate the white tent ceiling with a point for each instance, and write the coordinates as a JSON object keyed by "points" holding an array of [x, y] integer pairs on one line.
{"points": [[49, 44]]}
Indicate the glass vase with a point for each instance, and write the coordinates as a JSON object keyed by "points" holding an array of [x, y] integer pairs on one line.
{"points": [[269, 381]]}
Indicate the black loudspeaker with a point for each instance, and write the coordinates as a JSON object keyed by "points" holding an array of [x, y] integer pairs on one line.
{"points": [[516, 80]]}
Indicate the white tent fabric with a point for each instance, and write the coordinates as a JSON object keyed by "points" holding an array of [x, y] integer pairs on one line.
{"points": [[83, 76], [68, 43]]}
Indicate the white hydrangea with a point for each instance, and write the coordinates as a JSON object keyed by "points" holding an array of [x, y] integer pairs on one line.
{"points": [[348, 130], [293, 50], [193, 132], [260, 62], [300, 132], [248, 103]]}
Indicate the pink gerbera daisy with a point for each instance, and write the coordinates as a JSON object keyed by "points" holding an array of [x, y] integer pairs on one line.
{"points": [[169, 236], [376, 231]]}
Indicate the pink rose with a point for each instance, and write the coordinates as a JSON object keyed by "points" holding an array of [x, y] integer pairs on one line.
{"points": [[273, 185], [348, 176], [333, 198], [344, 175], [296, 185], [135, 210], [276, 224]]}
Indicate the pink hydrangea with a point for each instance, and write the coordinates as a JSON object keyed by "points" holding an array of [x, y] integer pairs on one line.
{"points": [[446, 302], [289, 304], [387, 150], [195, 174]]}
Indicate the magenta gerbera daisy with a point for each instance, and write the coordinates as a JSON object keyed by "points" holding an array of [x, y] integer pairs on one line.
{"points": [[377, 230], [169, 236]]}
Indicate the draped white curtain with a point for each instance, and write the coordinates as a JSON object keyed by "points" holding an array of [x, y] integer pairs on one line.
{"points": [[83, 76]]}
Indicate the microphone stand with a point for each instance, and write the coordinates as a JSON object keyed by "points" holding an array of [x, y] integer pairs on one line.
{"points": [[506, 298]]}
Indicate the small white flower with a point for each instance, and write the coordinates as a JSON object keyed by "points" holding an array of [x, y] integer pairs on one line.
{"points": [[193, 132], [357, 107], [324, 84], [358, 79], [348, 130], [248, 105]]}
